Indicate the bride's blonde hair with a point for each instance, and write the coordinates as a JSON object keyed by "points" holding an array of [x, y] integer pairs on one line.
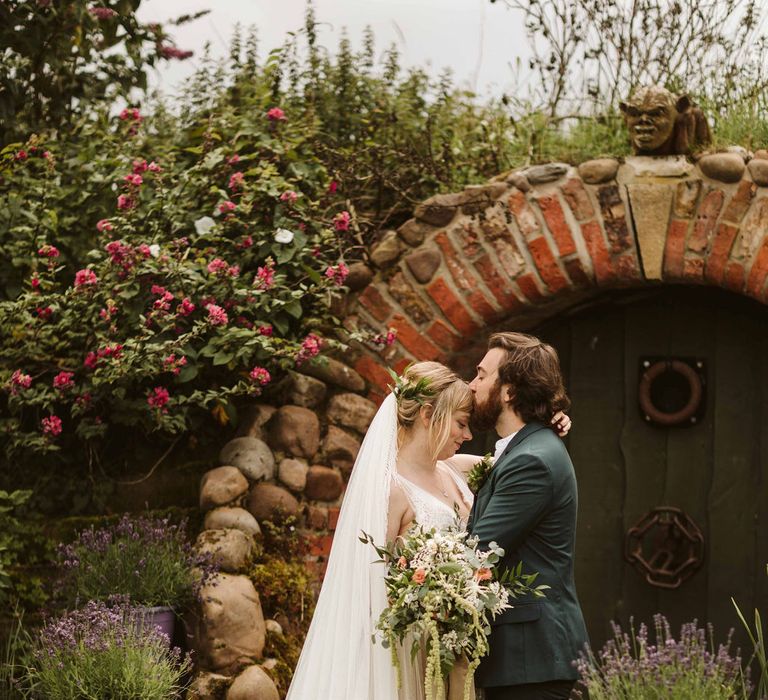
{"points": [[432, 385]]}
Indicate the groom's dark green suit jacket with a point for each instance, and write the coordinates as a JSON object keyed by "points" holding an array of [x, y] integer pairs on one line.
{"points": [[528, 506]]}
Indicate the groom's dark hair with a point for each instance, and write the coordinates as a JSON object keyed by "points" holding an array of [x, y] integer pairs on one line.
{"points": [[532, 369]]}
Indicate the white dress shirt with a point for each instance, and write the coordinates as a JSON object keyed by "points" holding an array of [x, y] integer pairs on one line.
{"points": [[501, 445]]}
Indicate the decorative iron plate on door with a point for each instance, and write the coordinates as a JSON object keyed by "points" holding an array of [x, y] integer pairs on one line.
{"points": [[672, 390]]}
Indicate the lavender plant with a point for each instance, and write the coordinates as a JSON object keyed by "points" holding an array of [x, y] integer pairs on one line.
{"points": [[150, 560], [631, 667], [105, 651]]}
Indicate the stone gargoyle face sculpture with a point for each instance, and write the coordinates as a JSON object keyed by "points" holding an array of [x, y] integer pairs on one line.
{"points": [[652, 115]]}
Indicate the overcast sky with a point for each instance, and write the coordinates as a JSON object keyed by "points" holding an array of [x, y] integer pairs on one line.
{"points": [[480, 41]]}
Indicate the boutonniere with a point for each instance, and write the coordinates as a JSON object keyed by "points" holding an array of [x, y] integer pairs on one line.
{"points": [[478, 475]]}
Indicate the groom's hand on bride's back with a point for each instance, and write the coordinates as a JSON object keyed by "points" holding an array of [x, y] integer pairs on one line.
{"points": [[561, 424]]}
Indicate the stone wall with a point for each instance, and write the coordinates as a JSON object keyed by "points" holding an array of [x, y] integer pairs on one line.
{"points": [[291, 458]]}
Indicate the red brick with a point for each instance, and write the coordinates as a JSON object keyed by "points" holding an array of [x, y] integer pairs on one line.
{"points": [[524, 214], [706, 220], [546, 264], [528, 286], [444, 337], [470, 240], [372, 370], [734, 276], [614, 218], [593, 236], [579, 276], [452, 308], [500, 286], [675, 248], [465, 280], [740, 202], [333, 517], [578, 199], [557, 224], [319, 545], [693, 268], [759, 271], [627, 268], [718, 256], [400, 364], [373, 302], [414, 341]]}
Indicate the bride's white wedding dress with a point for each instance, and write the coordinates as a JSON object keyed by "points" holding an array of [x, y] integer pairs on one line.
{"points": [[339, 661]]}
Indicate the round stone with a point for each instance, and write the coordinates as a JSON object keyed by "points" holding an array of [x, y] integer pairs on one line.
{"points": [[253, 684], [251, 456], [387, 250], [273, 627], [359, 277], [423, 263], [267, 501], [599, 170], [221, 486], [294, 430], [293, 473], [341, 449], [208, 686], [230, 630], [229, 517], [351, 411], [231, 550], [758, 169], [334, 372], [725, 167], [323, 484]]}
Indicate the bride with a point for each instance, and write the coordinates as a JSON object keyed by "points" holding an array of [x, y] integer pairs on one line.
{"points": [[407, 471]]}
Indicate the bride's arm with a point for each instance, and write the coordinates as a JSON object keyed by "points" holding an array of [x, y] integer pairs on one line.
{"points": [[463, 463], [399, 512]]}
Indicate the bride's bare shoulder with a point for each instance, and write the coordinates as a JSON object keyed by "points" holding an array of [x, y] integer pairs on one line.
{"points": [[462, 463]]}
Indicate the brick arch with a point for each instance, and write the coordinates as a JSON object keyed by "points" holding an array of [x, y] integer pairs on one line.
{"points": [[529, 243]]}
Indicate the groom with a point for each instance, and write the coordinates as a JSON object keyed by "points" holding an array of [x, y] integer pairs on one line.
{"points": [[528, 506]]}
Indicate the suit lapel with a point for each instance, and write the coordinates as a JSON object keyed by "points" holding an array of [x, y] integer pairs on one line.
{"points": [[484, 494]]}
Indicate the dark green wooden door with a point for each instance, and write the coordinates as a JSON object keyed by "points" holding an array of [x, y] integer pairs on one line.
{"points": [[716, 471]]}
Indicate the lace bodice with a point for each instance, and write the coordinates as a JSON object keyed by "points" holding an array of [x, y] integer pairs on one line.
{"points": [[430, 511]]}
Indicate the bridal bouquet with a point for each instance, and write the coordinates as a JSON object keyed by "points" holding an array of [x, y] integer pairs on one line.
{"points": [[443, 592]]}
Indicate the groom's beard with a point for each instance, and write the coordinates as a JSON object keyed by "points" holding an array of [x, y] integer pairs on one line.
{"points": [[486, 415]]}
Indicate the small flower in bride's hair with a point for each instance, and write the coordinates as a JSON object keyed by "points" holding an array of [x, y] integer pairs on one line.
{"points": [[419, 576], [405, 390]]}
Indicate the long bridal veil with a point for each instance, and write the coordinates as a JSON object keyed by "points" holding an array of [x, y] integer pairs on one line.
{"points": [[339, 660]]}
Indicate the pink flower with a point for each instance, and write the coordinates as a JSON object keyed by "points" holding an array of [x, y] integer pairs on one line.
{"points": [[83, 400], [276, 115], [131, 114], [158, 398], [154, 167], [63, 381], [124, 202], [216, 315], [265, 276], [290, 196], [85, 278], [217, 266], [387, 339], [48, 251], [419, 576], [51, 426], [139, 165], [21, 155], [144, 250], [174, 364], [246, 242], [402, 562], [185, 308], [338, 273], [236, 181], [168, 51], [265, 330], [341, 221], [35, 282], [44, 312], [483, 574], [91, 360], [310, 347], [103, 225], [133, 179], [102, 12], [233, 160], [332, 187], [19, 380], [226, 207], [259, 375]]}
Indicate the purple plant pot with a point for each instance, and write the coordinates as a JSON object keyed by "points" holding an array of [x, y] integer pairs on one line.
{"points": [[161, 617]]}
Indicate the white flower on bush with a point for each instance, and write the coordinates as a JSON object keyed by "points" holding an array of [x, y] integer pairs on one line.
{"points": [[154, 250], [283, 235], [203, 225]]}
